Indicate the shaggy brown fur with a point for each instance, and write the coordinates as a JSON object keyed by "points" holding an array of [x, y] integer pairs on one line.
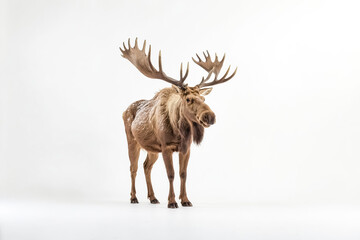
{"points": [[167, 123]]}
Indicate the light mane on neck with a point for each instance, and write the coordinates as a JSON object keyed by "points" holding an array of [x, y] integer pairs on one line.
{"points": [[173, 109]]}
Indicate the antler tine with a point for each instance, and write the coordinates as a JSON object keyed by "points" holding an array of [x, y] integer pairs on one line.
{"points": [[181, 75], [226, 73], [136, 43], [149, 58], [187, 71], [160, 65], [182, 78], [144, 46], [143, 63], [223, 59], [232, 75]]}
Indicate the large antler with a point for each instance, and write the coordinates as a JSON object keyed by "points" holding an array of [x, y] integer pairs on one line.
{"points": [[143, 63], [212, 67]]}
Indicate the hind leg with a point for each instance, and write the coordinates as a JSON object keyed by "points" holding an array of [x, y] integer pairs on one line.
{"points": [[133, 145], [134, 152], [148, 164]]}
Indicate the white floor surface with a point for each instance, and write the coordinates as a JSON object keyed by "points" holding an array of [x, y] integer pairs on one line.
{"points": [[45, 220]]}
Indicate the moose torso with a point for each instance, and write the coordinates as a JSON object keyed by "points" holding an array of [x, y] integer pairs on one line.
{"points": [[160, 123]]}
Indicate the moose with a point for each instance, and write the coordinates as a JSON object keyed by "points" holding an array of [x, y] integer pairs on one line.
{"points": [[170, 121]]}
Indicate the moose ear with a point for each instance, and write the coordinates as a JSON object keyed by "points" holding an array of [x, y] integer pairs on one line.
{"points": [[205, 91], [177, 89]]}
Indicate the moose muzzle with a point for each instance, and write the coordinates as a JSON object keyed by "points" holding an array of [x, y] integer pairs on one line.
{"points": [[207, 118]]}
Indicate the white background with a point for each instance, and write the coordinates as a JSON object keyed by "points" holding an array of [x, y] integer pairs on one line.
{"points": [[288, 124]]}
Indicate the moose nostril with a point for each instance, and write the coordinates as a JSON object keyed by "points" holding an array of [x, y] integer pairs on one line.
{"points": [[208, 117]]}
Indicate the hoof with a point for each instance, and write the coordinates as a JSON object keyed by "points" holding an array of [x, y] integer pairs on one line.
{"points": [[154, 201], [172, 205], [186, 204], [134, 200]]}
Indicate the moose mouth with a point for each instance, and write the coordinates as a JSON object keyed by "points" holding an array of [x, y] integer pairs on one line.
{"points": [[204, 124]]}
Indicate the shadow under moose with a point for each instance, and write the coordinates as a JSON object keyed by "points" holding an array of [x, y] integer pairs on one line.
{"points": [[170, 121]]}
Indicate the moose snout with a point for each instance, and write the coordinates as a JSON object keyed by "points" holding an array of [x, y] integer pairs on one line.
{"points": [[208, 118]]}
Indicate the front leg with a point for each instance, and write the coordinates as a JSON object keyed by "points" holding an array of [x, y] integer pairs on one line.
{"points": [[167, 156], [183, 161]]}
